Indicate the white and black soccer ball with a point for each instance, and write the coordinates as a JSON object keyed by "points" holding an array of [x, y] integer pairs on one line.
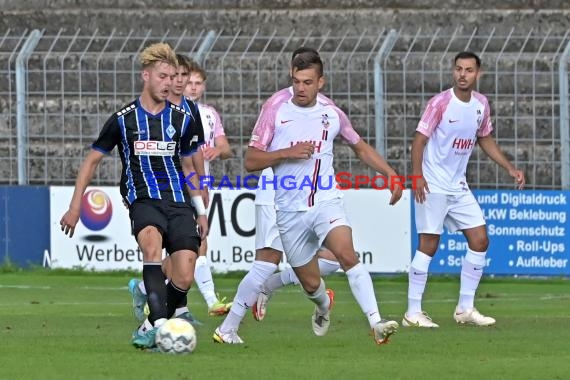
{"points": [[176, 336]]}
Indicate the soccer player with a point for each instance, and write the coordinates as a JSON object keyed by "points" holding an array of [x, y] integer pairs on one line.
{"points": [[153, 137], [215, 145], [295, 139], [254, 289], [452, 123]]}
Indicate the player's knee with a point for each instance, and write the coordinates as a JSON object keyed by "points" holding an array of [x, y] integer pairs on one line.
{"points": [[479, 244], [183, 279], [310, 286], [428, 244], [347, 259]]}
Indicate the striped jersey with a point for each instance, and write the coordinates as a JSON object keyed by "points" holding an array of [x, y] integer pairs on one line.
{"points": [[303, 183], [452, 127], [151, 147]]}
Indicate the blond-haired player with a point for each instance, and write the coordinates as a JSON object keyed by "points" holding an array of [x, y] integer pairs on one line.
{"points": [[153, 136]]}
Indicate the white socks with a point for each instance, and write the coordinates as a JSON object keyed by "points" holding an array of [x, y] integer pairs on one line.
{"points": [[363, 291], [247, 292], [288, 276], [471, 272], [417, 278], [320, 298], [203, 278]]}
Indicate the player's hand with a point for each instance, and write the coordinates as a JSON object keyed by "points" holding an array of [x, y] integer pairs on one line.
{"points": [[202, 223], [206, 196], [69, 221], [397, 191], [301, 151], [210, 153], [518, 175], [420, 190]]}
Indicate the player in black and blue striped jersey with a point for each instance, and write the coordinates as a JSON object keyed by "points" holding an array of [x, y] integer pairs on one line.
{"points": [[156, 141]]}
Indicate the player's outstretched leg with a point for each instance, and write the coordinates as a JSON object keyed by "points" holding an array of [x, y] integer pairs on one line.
{"points": [[246, 295], [284, 278], [204, 280]]}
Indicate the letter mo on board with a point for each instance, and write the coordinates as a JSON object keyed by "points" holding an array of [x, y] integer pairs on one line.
{"points": [[218, 212]]}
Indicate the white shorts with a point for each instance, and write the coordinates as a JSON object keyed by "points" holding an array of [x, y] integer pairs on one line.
{"points": [[266, 231], [456, 212], [303, 232]]}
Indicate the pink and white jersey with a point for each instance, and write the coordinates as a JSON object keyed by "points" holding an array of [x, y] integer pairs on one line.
{"points": [[303, 183], [212, 128], [452, 127], [265, 192]]}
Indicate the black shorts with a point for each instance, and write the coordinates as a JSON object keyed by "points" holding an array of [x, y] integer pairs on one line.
{"points": [[174, 220]]}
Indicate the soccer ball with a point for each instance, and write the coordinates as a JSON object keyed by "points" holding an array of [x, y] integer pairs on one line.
{"points": [[176, 336]]}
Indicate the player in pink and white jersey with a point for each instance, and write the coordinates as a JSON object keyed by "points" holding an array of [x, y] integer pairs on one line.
{"points": [[255, 288], [452, 123], [295, 139]]}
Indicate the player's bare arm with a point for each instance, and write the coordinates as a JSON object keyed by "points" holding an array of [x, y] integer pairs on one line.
{"points": [[196, 194], [418, 146], [256, 159], [71, 217], [198, 164], [373, 159], [491, 149], [220, 149]]}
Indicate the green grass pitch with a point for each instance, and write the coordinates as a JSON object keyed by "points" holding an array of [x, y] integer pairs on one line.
{"points": [[62, 325]]}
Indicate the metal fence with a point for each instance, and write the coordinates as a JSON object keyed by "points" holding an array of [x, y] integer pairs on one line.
{"points": [[71, 83]]}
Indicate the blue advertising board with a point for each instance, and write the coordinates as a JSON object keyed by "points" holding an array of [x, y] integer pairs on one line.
{"points": [[528, 234], [24, 211]]}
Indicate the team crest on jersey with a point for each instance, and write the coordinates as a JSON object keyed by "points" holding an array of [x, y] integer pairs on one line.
{"points": [[126, 110], [325, 121], [170, 131]]}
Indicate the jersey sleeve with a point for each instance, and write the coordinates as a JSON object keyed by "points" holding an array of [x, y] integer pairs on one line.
{"points": [[347, 132], [109, 136], [486, 126], [431, 117], [193, 136], [264, 129]]}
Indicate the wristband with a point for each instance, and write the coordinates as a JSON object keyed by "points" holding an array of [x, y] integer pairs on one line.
{"points": [[198, 204]]}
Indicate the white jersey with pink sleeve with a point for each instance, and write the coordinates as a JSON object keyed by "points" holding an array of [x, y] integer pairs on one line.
{"points": [[452, 127], [302, 184], [213, 128], [265, 192]]}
